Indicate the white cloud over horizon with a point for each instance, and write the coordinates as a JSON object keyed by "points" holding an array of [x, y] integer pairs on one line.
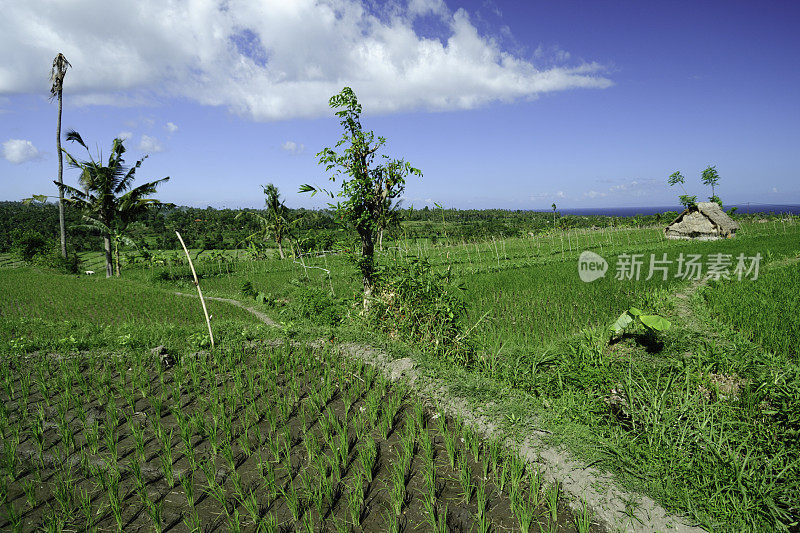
{"points": [[170, 127], [150, 144], [292, 147], [273, 60], [18, 151]]}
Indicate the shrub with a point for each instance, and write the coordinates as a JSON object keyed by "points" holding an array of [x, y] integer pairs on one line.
{"points": [[318, 305], [415, 302], [30, 244]]}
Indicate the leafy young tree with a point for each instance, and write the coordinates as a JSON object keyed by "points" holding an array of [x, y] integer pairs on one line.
{"points": [[276, 223], [105, 204], [710, 177], [554, 214], [368, 187], [676, 178], [57, 73]]}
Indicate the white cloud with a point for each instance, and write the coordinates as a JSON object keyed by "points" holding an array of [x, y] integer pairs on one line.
{"points": [[124, 135], [272, 60], [18, 151], [636, 188], [150, 144], [560, 195], [292, 147], [171, 127], [424, 7], [594, 194]]}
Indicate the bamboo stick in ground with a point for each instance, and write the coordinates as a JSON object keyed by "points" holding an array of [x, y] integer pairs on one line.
{"points": [[197, 284]]}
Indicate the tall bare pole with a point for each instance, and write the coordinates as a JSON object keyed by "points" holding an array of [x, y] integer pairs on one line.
{"points": [[199, 292], [57, 73]]}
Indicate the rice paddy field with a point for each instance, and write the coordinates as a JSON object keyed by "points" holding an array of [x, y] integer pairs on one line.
{"points": [[274, 430]]}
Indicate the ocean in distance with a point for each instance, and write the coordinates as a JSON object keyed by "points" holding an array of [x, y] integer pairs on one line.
{"points": [[633, 211]]}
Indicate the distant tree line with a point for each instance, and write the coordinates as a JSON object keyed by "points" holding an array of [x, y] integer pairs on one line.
{"points": [[219, 229]]}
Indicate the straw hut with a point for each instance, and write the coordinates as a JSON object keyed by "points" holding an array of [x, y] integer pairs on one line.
{"points": [[705, 221]]}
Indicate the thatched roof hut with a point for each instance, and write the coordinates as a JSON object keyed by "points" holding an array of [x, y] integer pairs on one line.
{"points": [[703, 221]]}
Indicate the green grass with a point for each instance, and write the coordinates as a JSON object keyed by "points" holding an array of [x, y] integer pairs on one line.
{"points": [[726, 459], [766, 309], [40, 309]]}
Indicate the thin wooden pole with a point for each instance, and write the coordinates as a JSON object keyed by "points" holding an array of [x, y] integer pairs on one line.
{"points": [[197, 284]]}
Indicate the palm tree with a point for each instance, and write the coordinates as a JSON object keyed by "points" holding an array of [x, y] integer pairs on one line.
{"points": [[554, 214], [57, 73], [107, 207], [277, 221]]}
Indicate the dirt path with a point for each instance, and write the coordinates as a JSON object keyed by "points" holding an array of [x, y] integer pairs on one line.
{"points": [[613, 507], [255, 312]]}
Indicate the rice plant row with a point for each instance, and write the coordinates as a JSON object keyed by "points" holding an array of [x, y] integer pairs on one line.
{"points": [[260, 439]]}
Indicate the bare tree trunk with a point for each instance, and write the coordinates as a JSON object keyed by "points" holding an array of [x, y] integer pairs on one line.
{"points": [[116, 256], [107, 247], [367, 265], [280, 248], [380, 240], [61, 223]]}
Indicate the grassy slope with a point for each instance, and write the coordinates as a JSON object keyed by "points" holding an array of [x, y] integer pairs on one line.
{"points": [[44, 310]]}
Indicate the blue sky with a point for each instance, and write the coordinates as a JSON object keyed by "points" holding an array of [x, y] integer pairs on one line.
{"points": [[501, 104]]}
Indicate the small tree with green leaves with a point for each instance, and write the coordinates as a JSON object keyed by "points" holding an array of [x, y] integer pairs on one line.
{"points": [[107, 207], [676, 178], [554, 214], [368, 188], [710, 177], [276, 223]]}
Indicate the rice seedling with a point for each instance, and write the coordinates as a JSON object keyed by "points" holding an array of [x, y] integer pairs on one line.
{"points": [[534, 479], [430, 479], [426, 445], [481, 499], [408, 439], [14, 517], [583, 519], [367, 456], [138, 476], [85, 503], [187, 483], [212, 487], [293, 500], [92, 437], [472, 443], [30, 493], [115, 501], [155, 510], [465, 479], [229, 456], [397, 492], [392, 522], [431, 511], [192, 521], [62, 492], [334, 465], [552, 500], [355, 500], [250, 504], [450, 447], [311, 445], [525, 513]]}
